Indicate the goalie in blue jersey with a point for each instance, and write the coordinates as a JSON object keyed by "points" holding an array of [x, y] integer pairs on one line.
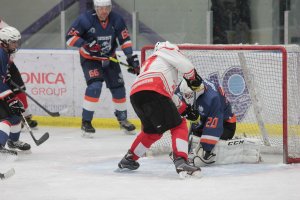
{"points": [[214, 131]]}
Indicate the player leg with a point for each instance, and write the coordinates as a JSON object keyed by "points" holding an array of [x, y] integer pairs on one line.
{"points": [[4, 131], [142, 104], [138, 149], [158, 114], [114, 81], [179, 136], [94, 80], [119, 101], [14, 137]]}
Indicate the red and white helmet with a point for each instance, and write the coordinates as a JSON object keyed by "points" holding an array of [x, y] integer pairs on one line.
{"points": [[166, 44], [102, 3]]}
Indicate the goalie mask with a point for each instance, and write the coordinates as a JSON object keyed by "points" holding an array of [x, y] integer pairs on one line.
{"points": [[166, 44], [188, 94], [10, 39]]}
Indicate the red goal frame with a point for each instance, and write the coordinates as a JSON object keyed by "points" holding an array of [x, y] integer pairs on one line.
{"points": [[282, 49]]}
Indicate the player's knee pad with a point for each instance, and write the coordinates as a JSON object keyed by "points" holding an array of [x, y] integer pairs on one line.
{"points": [[94, 89], [118, 93]]}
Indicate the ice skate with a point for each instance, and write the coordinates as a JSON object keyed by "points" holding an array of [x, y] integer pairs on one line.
{"points": [[87, 129], [32, 123], [19, 145], [185, 170], [128, 127], [128, 162], [7, 154]]}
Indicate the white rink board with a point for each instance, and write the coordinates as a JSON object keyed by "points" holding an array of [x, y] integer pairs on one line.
{"points": [[55, 79]]}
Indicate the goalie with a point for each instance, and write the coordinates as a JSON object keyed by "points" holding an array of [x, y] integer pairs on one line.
{"points": [[214, 131]]}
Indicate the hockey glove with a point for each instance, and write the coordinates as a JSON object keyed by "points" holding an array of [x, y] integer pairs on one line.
{"points": [[191, 114], [15, 105], [196, 83], [93, 49], [133, 64]]}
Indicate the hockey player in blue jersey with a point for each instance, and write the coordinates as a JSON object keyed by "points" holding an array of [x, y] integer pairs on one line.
{"points": [[217, 121], [10, 106], [96, 34]]}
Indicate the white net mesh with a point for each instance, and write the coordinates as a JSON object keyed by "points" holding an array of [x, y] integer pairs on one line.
{"points": [[262, 84]]}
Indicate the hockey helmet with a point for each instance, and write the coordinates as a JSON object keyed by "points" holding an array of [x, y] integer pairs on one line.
{"points": [[102, 3], [8, 36], [188, 94], [2, 24], [166, 44]]}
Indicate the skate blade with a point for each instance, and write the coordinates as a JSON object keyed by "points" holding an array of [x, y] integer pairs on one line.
{"points": [[185, 174], [87, 135], [7, 174], [26, 152], [129, 132]]}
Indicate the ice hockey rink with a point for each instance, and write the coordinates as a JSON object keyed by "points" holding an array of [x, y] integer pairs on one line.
{"points": [[69, 167]]}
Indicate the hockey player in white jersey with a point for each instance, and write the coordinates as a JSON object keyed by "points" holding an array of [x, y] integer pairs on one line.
{"points": [[151, 97]]}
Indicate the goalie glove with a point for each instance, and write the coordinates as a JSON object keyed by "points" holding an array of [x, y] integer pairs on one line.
{"points": [[191, 114], [196, 83], [133, 64]]}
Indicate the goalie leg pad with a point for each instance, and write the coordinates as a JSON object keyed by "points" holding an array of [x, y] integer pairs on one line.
{"points": [[245, 150]]}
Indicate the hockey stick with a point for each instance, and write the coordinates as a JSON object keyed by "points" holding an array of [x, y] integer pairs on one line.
{"points": [[7, 174], [118, 61], [191, 124], [37, 141], [52, 114]]}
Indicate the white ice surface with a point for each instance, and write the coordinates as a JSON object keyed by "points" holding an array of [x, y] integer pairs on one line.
{"points": [[69, 167]]}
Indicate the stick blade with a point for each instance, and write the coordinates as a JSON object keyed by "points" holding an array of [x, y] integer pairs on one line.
{"points": [[42, 139], [7, 174], [54, 114]]}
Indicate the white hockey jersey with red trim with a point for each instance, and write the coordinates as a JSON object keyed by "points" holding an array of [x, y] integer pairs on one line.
{"points": [[160, 71]]}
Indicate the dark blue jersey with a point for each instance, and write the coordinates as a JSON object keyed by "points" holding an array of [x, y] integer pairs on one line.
{"points": [[4, 63], [87, 28], [214, 109]]}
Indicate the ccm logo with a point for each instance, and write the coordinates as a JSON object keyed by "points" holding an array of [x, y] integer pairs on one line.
{"points": [[237, 142]]}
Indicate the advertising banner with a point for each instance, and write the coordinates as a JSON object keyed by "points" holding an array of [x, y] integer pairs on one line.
{"points": [[55, 79]]}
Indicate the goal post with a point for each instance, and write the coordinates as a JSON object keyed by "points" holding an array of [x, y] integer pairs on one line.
{"points": [[262, 82]]}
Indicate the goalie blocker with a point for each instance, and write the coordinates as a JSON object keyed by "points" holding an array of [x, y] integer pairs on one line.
{"points": [[241, 150]]}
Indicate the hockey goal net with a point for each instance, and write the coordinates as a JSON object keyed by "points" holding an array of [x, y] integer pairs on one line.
{"points": [[263, 85]]}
